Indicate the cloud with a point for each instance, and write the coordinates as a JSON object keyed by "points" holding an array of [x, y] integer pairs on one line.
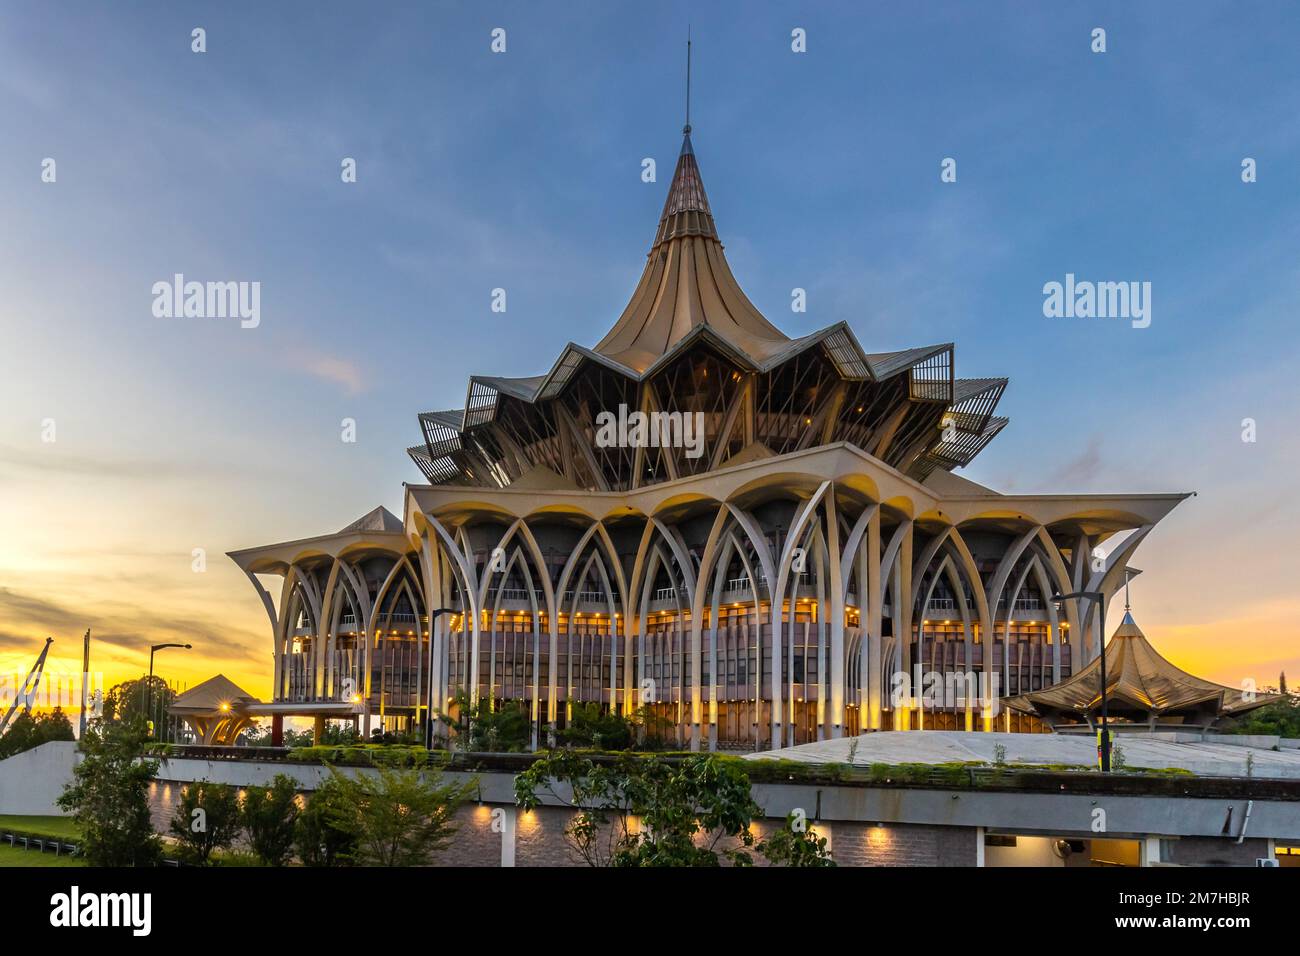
{"points": [[1080, 470], [49, 459], [330, 368], [116, 623]]}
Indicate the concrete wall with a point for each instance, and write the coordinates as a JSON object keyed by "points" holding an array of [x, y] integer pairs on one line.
{"points": [[1214, 851], [865, 826], [31, 781]]}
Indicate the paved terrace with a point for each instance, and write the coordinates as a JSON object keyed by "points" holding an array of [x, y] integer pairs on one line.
{"points": [[1223, 756]]}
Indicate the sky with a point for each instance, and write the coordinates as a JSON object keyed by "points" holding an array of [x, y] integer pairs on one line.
{"points": [[522, 170]]}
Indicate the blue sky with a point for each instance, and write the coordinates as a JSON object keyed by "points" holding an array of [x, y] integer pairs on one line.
{"points": [[522, 171]]}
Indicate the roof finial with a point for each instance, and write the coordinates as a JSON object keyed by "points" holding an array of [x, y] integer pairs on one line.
{"points": [[687, 128], [1126, 575]]}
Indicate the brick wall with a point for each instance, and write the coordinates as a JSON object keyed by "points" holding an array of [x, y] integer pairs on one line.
{"points": [[540, 839], [902, 844], [477, 841]]}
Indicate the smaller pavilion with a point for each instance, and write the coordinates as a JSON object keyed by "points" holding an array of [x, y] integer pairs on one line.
{"points": [[217, 710], [1143, 690]]}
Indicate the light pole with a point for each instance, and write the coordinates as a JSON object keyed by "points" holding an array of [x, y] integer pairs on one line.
{"points": [[153, 649], [1101, 611], [428, 720]]}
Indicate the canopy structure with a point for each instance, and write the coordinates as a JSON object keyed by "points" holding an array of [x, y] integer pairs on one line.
{"points": [[690, 342], [1141, 687], [217, 709]]}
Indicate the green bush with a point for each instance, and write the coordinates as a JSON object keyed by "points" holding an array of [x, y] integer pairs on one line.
{"points": [[324, 833], [269, 816], [109, 796], [206, 819]]}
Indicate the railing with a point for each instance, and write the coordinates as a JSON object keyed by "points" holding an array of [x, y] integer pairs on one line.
{"points": [[950, 604], [28, 841]]}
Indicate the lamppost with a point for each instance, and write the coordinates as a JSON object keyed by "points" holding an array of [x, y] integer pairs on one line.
{"points": [[1100, 598], [153, 649], [428, 721]]}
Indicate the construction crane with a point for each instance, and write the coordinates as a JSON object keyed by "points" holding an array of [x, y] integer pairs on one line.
{"points": [[28, 689]]}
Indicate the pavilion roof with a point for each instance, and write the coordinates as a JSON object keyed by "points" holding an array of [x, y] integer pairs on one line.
{"points": [[1139, 681], [208, 696]]}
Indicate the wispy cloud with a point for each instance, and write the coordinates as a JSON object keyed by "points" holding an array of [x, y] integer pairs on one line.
{"points": [[334, 369], [131, 627]]}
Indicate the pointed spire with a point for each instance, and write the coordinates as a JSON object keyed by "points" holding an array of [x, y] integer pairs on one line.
{"points": [[687, 128], [1128, 628], [686, 210]]}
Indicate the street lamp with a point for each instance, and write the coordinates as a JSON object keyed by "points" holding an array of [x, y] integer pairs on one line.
{"points": [[153, 649], [428, 721], [1100, 598]]}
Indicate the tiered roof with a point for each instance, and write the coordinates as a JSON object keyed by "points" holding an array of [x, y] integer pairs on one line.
{"points": [[687, 316]]}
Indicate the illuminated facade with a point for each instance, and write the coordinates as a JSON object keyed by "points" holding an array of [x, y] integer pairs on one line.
{"points": [[760, 588]]}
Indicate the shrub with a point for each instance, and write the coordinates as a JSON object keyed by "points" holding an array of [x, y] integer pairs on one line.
{"points": [[207, 819], [269, 816], [324, 833], [109, 796]]}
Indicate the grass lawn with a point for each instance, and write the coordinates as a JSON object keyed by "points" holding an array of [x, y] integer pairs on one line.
{"points": [[61, 828], [17, 856]]}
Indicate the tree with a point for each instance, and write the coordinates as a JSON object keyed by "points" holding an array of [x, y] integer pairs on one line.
{"points": [[269, 818], [401, 817], [647, 811], [592, 727], [28, 730], [325, 832], [130, 700], [55, 726], [334, 736], [109, 796], [597, 729], [20, 736], [206, 819], [795, 844], [1280, 718], [484, 729]]}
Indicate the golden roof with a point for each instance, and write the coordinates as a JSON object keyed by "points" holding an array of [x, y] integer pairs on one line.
{"points": [[687, 283], [1139, 682], [210, 695]]}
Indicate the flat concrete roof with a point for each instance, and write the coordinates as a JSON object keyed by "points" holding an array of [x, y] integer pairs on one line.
{"points": [[1216, 756]]}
